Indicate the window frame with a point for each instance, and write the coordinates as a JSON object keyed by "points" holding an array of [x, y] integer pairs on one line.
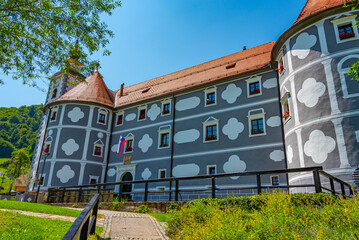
{"points": [[142, 108], [94, 149], [285, 102], [342, 22], [54, 110], [163, 103], [102, 112], [207, 91], [129, 138], [251, 81], [118, 114], [271, 180], [256, 116], [210, 122], [159, 173], [211, 166], [162, 132], [93, 177]]}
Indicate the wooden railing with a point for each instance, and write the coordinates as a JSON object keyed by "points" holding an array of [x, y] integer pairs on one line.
{"points": [[76, 192], [84, 225]]}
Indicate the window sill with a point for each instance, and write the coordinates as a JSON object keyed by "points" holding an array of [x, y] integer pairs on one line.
{"points": [[286, 120], [164, 147], [347, 40], [209, 141], [96, 155], [254, 95], [257, 135]]}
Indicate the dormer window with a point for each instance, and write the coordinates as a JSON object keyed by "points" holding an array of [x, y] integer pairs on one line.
{"points": [[142, 113], [102, 114], [210, 96], [345, 29]]}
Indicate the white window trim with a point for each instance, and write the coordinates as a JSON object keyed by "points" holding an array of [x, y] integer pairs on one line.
{"points": [[159, 173], [94, 147], [280, 56], [102, 111], [256, 116], [283, 100], [160, 132], [209, 166], [271, 180], [123, 117], [139, 110], [342, 21], [207, 91], [166, 101], [252, 80], [54, 109], [43, 181], [93, 177], [133, 143], [208, 122], [47, 142]]}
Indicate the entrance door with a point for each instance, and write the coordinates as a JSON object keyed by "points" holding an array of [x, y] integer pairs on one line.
{"points": [[126, 188]]}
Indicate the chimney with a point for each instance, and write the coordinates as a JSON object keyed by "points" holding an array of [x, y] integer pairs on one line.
{"points": [[121, 92], [244, 48]]}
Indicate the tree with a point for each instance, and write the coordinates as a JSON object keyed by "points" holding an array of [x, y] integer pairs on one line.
{"points": [[36, 36], [20, 163], [6, 148]]}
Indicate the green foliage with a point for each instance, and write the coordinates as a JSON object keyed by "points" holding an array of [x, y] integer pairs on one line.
{"points": [[75, 205], [354, 71], [36, 36], [20, 163], [40, 208], [116, 206], [161, 217], [20, 133], [143, 209], [275, 216]]}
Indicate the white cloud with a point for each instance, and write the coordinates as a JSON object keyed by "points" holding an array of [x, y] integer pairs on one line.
{"points": [[319, 146], [311, 92], [188, 103], [146, 174], [186, 170], [111, 172], [130, 117], [274, 121], [65, 174], [145, 143], [233, 128], [234, 164], [231, 93], [270, 83], [277, 155], [153, 112], [75, 114], [186, 136], [302, 46], [70, 146], [290, 154]]}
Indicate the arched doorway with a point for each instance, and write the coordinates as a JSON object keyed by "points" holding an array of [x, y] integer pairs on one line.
{"points": [[126, 188]]}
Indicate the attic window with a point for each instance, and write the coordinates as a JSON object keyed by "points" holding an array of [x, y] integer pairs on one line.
{"points": [[232, 65], [146, 90]]}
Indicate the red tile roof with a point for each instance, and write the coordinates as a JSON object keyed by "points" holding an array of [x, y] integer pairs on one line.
{"points": [[94, 91], [244, 61], [315, 6]]}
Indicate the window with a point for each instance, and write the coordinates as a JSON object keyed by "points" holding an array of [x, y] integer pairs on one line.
{"points": [[98, 151], [345, 29], [274, 180], [166, 109], [210, 128], [101, 119], [256, 122], [54, 93], [164, 136], [285, 107], [41, 179], [93, 179], [119, 119], [210, 96], [47, 148], [165, 139], [254, 87], [162, 173], [281, 65], [98, 148], [142, 113], [211, 169], [53, 114]]}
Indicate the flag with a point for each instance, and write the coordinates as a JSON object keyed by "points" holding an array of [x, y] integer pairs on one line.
{"points": [[121, 143]]}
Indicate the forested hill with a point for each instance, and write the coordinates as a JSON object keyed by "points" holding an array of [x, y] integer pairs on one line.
{"points": [[18, 128]]}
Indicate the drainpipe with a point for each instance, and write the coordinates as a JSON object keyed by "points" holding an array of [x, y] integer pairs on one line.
{"points": [[172, 141]]}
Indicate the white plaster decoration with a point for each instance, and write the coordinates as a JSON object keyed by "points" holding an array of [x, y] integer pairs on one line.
{"points": [[277, 155], [86, 144], [70, 146], [186, 136], [311, 92], [114, 148], [233, 128], [145, 143], [343, 72], [303, 44], [75, 114], [146, 174], [331, 86], [343, 155], [57, 140], [89, 122], [63, 106], [154, 112], [186, 170], [322, 38], [122, 170], [231, 93], [65, 174], [357, 135], [289, 57], [188, 103], [234, 164], [270, 83], [82, 171], [100, 135], [130, 117], [300, 147], [51, 173], [50, 132], [319, 146], [294, 101], [111, 172], [274, 121], [290, 154]]}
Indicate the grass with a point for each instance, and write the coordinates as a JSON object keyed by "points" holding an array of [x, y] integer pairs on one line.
{"points": [[5, 181], [161, 217], [2, 160], [275, 216], [40, 208], [17, 226]]}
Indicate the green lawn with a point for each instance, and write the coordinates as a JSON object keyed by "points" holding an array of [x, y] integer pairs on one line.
{"points": [[161, 217], [17, 226], [2, 160], [40, 208]]}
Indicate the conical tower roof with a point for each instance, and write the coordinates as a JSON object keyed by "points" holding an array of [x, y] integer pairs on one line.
{"points": [[94, 90], [315, 6]]}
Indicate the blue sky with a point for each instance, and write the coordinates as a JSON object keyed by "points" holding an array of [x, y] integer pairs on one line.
{"points": [[157, 37]]}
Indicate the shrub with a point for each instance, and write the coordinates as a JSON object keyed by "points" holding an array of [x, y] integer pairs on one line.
{"points": [[99, 205], [75, 205], [143, 209], [116, 206]]}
